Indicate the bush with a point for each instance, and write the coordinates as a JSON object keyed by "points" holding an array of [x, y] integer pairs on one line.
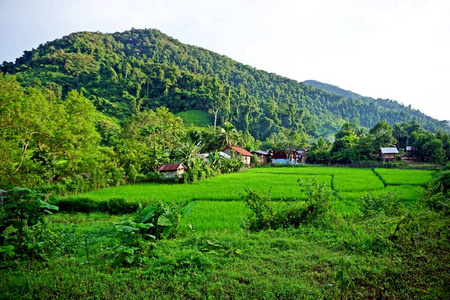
{"points": [[114, 206], [84, 205], [437, 194], [264, 216], [117, 206], [386, 204]]}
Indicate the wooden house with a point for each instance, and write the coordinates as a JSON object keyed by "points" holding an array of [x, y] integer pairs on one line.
{"points": [[235, 151], [264, 156], [388, 154], [172, 170]]}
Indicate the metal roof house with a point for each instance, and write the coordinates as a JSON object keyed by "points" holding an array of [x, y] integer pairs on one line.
{"points": [[264, 156], [388, 154]]}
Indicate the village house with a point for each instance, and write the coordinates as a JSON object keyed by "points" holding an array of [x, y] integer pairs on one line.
{"points": [[246, 156], [292, 158], [172, 170], [388, 154], [264, 156]]}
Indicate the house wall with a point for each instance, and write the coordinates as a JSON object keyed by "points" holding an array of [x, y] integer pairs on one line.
{"points": [[169, 174], [285, 161], [180, 173], [264, 158], [388, 156]]}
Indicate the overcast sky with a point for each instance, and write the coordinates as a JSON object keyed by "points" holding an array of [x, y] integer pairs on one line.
{"points": [[396, 49]]}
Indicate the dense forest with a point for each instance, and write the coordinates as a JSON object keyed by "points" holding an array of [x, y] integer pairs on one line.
{"points": [[92, 110], [124, 73]]}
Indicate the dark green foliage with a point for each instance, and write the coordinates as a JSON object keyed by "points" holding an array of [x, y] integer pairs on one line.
{"points": [[84, 205], [114, 206], [118, 206]]}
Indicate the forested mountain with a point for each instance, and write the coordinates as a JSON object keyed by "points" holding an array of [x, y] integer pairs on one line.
{"points": [[386, 103], [124, 73]]}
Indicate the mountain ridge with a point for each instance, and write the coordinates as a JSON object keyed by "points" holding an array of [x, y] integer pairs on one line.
{"points": [[125, 72]]}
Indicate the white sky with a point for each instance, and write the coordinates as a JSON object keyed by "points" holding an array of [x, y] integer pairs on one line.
{"points": [[396, 49]]}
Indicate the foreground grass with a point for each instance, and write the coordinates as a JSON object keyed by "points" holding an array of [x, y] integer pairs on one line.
{"points": [[349, 258]]}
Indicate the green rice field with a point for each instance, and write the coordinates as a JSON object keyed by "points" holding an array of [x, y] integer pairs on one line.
{"points": [[216, 201]]}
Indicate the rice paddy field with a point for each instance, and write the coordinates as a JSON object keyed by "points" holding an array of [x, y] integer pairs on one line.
{"points": [[216, 201]]}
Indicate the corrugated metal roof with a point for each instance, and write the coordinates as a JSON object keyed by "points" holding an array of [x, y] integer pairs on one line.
{"points": [[170, 167], [239, 150], [223, 154], [261, 152], [389, 150]]}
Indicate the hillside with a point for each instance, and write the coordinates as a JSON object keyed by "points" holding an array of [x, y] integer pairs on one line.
{"points": [[386, 103], [123, 73]]}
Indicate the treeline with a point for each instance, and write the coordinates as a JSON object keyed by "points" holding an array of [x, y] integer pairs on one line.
{"points": [[68, 146], [355, 144], [127, 73]]}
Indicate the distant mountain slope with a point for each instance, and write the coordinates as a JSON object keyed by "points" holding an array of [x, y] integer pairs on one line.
{"points": [[386, 103], [333, 89], [139, 69]]}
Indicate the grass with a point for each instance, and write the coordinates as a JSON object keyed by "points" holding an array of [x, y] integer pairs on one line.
{"points": [[198, 118], [214, 216]]}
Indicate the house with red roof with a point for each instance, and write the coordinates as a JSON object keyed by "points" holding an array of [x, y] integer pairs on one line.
{"points": [[235, 151], [172, 170]]}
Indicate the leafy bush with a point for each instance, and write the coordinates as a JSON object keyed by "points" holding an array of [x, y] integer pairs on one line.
{"points": [[84, 205], [20, 210], [437, 194], [264, 214], [151, 223], [118, 206], [386, 204], [114, 206]]}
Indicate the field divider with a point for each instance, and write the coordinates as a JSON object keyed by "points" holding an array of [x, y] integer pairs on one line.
{"points": [[379, 176]]}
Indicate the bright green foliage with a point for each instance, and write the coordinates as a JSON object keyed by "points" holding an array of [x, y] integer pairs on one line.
{"points": [[21, 210]]}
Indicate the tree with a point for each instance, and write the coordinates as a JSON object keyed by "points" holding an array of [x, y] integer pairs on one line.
{"points": [[228, 135], [383, 137]]}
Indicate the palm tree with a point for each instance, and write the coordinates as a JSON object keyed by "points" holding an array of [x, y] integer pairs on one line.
{"points": [[320, 144], [229, 135]]}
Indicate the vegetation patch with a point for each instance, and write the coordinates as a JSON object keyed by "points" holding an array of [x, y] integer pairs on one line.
{"points": [[197, 118]]}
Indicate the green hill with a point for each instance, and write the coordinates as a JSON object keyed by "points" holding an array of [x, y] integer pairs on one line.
{"points": [[131, 71]]}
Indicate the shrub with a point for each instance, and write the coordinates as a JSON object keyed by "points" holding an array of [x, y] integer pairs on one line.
{"points": [[20, 210], [386, 204], [118, 206], [437, 194], [264, 216], [84, 205]]}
